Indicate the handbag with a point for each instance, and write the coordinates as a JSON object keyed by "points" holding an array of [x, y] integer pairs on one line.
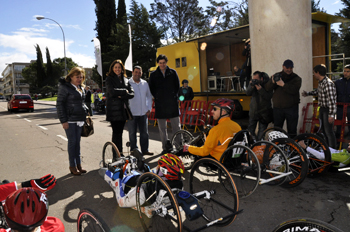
{"points": [[128, 113], [88, 127]]}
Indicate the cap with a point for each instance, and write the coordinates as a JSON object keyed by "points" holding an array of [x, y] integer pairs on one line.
{"points": [[184, 81], [288, 64]]}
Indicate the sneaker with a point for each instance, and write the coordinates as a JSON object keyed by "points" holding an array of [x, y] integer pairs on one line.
{"points": [[342, 157]]}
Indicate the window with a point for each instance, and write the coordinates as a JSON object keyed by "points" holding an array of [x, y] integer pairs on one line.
{"points": [[184, 61], [177, 62]]}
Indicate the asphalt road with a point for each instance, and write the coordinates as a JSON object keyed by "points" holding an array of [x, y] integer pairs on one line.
{"points": [[34, 144]]}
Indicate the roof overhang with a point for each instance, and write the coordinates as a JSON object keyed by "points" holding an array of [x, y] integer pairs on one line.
{"points": [[327, 18]]}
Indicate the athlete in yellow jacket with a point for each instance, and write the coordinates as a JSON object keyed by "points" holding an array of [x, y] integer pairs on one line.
{"points": [[215, 144]]}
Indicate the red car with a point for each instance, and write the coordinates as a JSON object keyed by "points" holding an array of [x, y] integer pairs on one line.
{"points": [[20, 101]]}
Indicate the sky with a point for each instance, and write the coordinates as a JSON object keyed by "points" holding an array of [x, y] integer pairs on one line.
{"points": [[20, 31]]}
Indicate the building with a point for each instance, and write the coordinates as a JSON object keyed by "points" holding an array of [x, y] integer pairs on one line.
{"points": [[13, 81], [88, 79]]}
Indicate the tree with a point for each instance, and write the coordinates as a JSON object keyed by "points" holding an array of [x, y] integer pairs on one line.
{"points": [[121, 12], [30, 76], [106, 26], [41, 75], [49, 70], [344, 29], [145, 37], [315, 6], [176, 17]]}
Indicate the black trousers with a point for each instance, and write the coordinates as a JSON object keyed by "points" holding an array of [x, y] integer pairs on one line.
{"points": [[117, 134]]}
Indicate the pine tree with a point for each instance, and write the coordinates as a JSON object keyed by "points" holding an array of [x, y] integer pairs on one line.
{"points": [[145, 37], [121, 12], [41, 75], [49, 70], [344, 28]]}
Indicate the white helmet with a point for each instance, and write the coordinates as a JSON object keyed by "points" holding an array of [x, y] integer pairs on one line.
{"points": [[276, 135]]}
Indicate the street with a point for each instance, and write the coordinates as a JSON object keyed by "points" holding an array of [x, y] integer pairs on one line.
{"points": [[34, 144]]}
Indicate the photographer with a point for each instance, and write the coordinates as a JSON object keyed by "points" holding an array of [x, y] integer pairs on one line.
{"points": [[260, 109], [247, 66], [286, 97]]}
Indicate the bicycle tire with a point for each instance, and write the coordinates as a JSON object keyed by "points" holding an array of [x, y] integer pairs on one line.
{"points": [[110, 153], [243, 165], [305, 224], [223, 202], [317, 143], [273, 161], [265, 132], [89, 221], [178, 140], [158, 222], [297, 159]]}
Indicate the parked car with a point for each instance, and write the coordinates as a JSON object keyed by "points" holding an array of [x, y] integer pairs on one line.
{"points": [[19, 102]]}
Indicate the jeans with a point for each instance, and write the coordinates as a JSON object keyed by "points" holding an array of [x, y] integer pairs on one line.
{"points": [[175, 124], [327, 127], [140, 122], [291, 115], [73, 135], [252, 126], [117, 134]]}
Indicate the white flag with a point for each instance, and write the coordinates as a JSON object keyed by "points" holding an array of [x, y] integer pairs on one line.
{"points": [[98, 55], [128, 61]]}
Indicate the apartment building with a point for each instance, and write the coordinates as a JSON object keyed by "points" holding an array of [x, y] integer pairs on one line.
{"points": [[13, 81]]}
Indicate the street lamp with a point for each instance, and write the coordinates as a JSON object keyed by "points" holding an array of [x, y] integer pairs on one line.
{"points": [[64, 42]]}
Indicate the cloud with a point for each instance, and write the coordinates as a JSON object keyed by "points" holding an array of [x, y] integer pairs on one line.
{"points": [[336, 2]]}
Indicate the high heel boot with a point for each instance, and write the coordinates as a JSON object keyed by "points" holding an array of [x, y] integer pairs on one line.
{"points": [[74, 171], [81, 169]]}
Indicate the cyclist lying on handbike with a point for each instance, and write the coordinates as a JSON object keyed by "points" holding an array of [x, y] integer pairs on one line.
{"points": [[341, 156], [123, 175], [216, 142]]}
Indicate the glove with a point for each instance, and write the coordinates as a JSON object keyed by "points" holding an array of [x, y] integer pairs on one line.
{"points": [[185, 149], [45, 183]]}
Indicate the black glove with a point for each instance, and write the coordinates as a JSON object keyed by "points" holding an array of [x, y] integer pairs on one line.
{"points": [[43, 184]]}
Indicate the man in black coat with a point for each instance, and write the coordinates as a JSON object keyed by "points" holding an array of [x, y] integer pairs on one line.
{"points": [[88, 99], [164, 85]]}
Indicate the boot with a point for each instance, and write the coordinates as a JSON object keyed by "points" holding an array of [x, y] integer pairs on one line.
{"points": [[74, 171], [81, 169]]}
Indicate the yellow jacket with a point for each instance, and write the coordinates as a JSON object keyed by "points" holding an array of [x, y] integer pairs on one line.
{"points": [[226, 128]]}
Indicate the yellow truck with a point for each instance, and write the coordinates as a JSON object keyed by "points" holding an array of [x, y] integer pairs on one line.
{"points": [[207, 62]]}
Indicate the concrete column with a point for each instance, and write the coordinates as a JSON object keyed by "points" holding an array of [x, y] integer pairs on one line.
{"points": [[280, 30]]}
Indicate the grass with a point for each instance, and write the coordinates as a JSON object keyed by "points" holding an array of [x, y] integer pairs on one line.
{"points": [[49, 99]]}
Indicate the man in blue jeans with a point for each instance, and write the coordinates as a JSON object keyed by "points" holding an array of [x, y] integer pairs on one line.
{"points": [[140, 107]]}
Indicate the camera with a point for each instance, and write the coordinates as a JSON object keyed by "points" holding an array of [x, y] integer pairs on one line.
{"points": [[277, 77], [255, 82]]}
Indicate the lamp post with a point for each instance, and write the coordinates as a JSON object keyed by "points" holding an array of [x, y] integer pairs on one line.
{"points": [[64, 42]]}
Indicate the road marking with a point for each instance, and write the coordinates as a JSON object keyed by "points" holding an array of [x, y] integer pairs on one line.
{"points": [[44, 128], [27, 120], [62, 137], [18, 115]]}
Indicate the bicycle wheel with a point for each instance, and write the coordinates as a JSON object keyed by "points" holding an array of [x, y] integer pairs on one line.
{"points": [[305, 224], [316, 166], [273, 162], [244, 167], [155, 199], [221, 202], [178, 140], [88, 221], [110, 153], [264, 135], [297, 159]]}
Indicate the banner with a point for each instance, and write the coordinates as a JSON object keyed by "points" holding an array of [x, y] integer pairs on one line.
{"points": [[128, 61], [98, 55]]}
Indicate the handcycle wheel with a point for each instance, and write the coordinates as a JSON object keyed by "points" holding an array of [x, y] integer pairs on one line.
{"points": [[223, 201], [272, 160], [316, 166], [264, 135], [155, 199], [180, 138], [297, 160], [88, 221], [243, 166], [110, 153], [305, 224]]}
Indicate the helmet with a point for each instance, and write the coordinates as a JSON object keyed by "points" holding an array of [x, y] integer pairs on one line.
{"points": [[276, 135], [224, 103], [26, 209], [171, 166]]}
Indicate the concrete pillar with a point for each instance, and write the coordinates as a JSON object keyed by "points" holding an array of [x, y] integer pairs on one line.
{"points": [[280, 30]]}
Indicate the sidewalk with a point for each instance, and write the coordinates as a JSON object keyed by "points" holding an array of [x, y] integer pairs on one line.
{"points": [[52, 103]]}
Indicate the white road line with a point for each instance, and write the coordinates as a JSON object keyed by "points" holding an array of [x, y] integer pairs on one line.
{"points": [[62, 137], [18, 115], [27, 120], [44, 128]]}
